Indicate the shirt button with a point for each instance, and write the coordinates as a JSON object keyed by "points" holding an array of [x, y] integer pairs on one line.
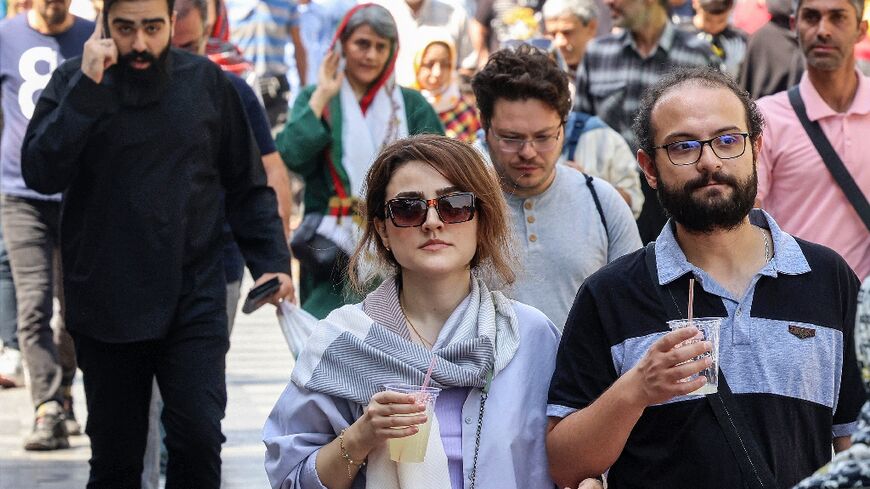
{"points": [[467, 420], [530, 219], [533, 238], [528, 205]]}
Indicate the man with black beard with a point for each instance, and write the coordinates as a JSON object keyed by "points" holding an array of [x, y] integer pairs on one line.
{"points": [[621, 398], [145, 141], [712, 24]]}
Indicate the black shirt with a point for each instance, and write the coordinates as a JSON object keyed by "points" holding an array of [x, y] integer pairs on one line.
{"points": [[141, 221], [793, 393]]}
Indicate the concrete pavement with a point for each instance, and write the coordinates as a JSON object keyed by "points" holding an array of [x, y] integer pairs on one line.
{"points": [[258, 368]]}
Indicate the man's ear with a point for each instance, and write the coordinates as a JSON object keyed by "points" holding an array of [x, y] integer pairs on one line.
{"points": [[757, 144], [649, 168]]}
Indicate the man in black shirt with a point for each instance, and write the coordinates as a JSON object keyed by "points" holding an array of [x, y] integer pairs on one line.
{"points": [[788, 383], [144, 140]]}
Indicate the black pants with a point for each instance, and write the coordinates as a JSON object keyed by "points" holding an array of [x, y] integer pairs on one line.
{"points": [[190, 370]]}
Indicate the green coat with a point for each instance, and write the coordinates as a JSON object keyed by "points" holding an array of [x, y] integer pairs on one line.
{"points": [[302, 145]]}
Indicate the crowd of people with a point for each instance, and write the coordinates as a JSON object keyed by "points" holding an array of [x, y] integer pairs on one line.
{"points": [[504, 200]]}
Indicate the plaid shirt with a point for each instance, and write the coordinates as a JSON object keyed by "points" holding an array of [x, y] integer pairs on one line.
{"points": [[460, 122], [613, 76]]}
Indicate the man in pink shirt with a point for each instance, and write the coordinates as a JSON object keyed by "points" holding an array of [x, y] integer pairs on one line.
{"points": [[794, 185]]}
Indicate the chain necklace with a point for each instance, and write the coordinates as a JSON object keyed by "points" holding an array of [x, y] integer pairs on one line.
{"points": [[414, 328]]}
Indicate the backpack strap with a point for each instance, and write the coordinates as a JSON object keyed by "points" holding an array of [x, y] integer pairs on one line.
{"points": [[575, 126], [830, 158], [597, 205]]}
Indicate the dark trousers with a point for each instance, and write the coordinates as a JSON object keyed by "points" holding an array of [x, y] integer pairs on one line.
{"points": [[8, 307], [190, 370], [30, 232]]}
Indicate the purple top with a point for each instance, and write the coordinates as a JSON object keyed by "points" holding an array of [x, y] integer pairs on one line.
{"points": [[448, 410]]}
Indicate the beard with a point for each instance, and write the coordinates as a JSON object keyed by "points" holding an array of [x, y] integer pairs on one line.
{"points": [[139, 87], [54, 14], [709, 213]]}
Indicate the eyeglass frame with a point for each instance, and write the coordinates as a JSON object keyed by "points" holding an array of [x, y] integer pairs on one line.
{"points": [[429, 204], [705, 142], [523, 142]]}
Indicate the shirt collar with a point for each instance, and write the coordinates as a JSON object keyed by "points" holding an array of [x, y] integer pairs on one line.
{"points": [[666, 40], [788, 258], [818, 109]]}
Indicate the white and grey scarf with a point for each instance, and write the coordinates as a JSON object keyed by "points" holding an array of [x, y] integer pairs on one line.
{"points": [[354, 352]]}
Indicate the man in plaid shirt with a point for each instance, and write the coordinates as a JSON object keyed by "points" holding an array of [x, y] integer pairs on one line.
{"points": [[618, 68]]}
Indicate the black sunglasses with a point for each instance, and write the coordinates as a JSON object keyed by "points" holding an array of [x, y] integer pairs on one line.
{"points": [[411, 212]]}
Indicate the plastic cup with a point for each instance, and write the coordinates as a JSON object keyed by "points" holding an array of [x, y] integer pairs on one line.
{"points": [[412, 449], [708, 329]]}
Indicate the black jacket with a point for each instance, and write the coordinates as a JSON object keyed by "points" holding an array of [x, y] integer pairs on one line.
{"points": [[141, 218]]}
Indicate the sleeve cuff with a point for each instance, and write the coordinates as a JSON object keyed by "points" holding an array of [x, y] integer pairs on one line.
{"points": [[281, 265], [308, 477], [847, 429], [557, 411]]}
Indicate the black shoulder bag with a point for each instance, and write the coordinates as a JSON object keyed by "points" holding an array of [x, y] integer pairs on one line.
{"points": [[831, 158], [747, 454]]}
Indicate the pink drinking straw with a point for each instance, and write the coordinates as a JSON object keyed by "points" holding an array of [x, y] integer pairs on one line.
{"points": [[691, 297], [429, 373]]}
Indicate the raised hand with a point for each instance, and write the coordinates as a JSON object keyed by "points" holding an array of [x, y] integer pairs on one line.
{"points": [[329, 79], [98, 54], [329, 76]]}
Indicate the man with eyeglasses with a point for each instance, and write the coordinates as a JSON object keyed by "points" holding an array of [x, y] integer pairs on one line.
{"points": [[622, 399], [794, 183], [566, 225]]}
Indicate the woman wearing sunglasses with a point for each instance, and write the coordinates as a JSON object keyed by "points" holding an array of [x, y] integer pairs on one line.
{"points": [[334, 132], [438, 227]]}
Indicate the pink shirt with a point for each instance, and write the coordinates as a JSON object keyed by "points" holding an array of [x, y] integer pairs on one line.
{"points": [[795, 186]]}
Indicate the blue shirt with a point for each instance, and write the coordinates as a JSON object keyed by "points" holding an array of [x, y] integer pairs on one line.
{"points": [[261, 29], [27, 60], [233, 261]]}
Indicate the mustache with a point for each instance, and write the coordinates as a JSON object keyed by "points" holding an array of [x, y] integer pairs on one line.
{"points": [[708, 178], [138, 56]]}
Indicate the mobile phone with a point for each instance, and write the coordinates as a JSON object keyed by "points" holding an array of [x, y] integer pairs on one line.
{"points": [[258, 295], [341, 62]]}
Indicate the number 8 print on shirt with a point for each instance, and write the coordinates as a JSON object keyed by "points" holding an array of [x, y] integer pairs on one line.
{"points": [[27, 60]]}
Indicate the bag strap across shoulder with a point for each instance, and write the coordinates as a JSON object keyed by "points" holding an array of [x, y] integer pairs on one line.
{"points": [[747, 454], [831, 158]]}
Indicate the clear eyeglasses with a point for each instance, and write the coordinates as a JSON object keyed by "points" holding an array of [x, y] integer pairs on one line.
{"points": [[726, 147]]}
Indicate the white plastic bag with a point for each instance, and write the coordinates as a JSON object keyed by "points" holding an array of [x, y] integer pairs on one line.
{"points": [[296, 324]]}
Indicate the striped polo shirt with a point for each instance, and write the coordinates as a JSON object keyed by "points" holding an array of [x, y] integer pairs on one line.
{"points": [[261, 29], [786, 350]]}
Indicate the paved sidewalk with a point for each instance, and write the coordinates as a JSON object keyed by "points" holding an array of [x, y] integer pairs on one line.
{"points": [[258, 368]]}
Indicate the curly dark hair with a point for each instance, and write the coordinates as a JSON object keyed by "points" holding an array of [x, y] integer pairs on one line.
{"points": [[521, 73], [704, 76]]}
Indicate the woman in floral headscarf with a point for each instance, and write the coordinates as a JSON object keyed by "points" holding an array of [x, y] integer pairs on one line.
{"points": [[437, 79], [333, 134]]}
